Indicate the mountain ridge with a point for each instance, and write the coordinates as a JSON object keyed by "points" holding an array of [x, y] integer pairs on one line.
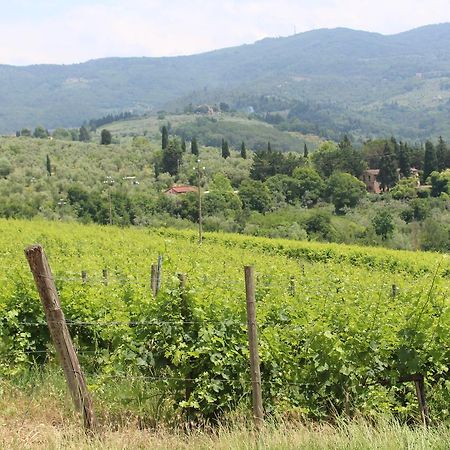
{"points": [[341, 65]]}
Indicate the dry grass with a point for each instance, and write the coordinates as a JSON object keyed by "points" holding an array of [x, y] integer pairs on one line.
{"points": [[33, 418]]}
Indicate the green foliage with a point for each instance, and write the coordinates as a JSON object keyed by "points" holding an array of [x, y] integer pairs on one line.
{"points": [[269, 163], [387, 176], [164, 138], [194, 146], [310, 186], [106, 137], [336, 344], [440, 183], [406, 188], [40, 132], [243, 151], [345, 191], [5, 167], [383, 224], [48, 166], [225, 149], [430, 161], [255, 195], [172, 157], [84, 134]]}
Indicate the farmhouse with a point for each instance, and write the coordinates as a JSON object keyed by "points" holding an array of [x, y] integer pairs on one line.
{"points": [[370, 178], [178, 190]]}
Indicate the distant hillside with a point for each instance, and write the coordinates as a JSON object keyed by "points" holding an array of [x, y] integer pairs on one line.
{"points": [[209, 131], [337, 80]]}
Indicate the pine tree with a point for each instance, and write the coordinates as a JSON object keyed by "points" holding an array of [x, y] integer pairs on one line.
{"points": [[194, 147], [243, 151], [49, 166], [430, 163], [404, 162], [442, 154], [225, 149], [164, 137], [305, 151], [387, 176]]}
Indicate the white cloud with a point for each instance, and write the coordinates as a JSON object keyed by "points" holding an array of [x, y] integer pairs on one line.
{"points": [[96, 29]]}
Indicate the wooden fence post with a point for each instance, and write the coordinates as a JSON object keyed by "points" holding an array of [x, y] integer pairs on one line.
{"points": [[292, 285], [105, 277], [423, 408], [394, 290], [60, 334], [258, 412], [154, 280], [159, 273], [84, 276]]}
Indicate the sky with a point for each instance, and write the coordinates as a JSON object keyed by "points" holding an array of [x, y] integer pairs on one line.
{"points": [[72, 31]]}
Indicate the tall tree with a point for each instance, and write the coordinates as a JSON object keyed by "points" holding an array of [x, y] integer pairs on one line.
{"points": [[269, 147], [194, 146], [172, 157], [183, 145], [84, 134], [225, 149], [404, 163], [305, 151], [49, 166], [243, 151], [164, 137], [430, 163], [387, 176], [442, 155]]}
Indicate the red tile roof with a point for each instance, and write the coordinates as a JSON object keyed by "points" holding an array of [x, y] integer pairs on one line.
{"points": [[181, 189]]}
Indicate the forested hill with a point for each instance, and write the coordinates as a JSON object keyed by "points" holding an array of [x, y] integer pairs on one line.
{"points": [[332, 80]]}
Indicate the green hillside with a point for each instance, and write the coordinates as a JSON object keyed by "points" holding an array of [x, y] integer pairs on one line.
{"points": [[336, 80], [210, 130]]}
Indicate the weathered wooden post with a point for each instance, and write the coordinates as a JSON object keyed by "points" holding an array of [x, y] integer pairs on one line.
{"points": [[292, 285], [159, 273], [420, 392], [60, 334], [258, 412], [84, 276], [394, 290], [154, 280], [105, 277]]}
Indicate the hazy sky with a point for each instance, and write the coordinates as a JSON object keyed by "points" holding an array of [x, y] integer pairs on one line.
{"points": [[67, 31]]}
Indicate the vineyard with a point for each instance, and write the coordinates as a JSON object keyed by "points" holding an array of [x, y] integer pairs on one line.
{"points": [[341, 329]]}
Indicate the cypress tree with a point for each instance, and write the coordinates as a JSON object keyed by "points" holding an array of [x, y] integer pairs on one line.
{"points": [[183, 145], [404, 162], [49, 166], [243, 151], [269, 148], [225, 149], [194, 147], [305, 151], [164, 137], [387, 176], [430, 163], [84, 134], [442, 155]]}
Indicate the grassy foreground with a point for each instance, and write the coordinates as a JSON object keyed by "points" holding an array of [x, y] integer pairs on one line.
{"points": [[38, 415]]}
